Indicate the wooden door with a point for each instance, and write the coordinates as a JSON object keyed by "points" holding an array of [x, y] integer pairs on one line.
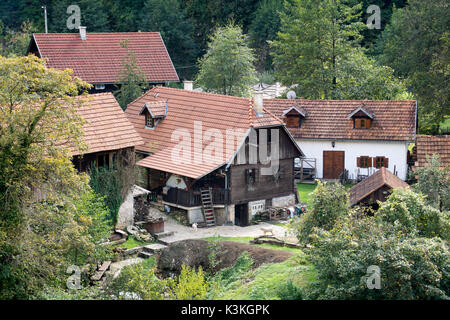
{"points": [[333, 164]]}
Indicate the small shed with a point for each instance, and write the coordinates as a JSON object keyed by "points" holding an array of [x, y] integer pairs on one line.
{"points": [[375, 187]]}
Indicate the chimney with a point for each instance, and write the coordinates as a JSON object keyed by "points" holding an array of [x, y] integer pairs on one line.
{"points": [[82, 32], [188, 85], [258, 101]]}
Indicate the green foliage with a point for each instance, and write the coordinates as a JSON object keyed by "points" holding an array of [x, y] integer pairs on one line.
{"points": [[228, 275], [262, 30], [408, 213], [227, 67], [177, 31], [410, 268], [329, 203], [137, 282], [191, 285], [15, 43], [415, 44], [107, 182], [434, 182], [290, 291], [131, 82], [41, 229]]}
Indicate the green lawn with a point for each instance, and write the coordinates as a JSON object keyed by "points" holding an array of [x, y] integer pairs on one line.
{"points": [[131, 243], [304, 191], [247, 241]]}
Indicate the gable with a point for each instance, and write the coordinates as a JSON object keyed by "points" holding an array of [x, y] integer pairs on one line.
{"points": [[98, 59]]}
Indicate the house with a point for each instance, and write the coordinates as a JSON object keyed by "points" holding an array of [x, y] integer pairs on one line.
{"points": [[97, 58], [360, 136], [375, 188], [220, 158], [429, 145], [269, 91], [108, 134]]}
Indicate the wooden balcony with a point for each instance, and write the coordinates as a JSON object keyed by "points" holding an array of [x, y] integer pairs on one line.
{"points": [[192, 198]]}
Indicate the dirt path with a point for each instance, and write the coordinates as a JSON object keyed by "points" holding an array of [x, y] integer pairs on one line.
{"points": [[183, 232]]}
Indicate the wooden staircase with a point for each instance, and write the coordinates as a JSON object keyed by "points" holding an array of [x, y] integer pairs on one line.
{"points": [[208, 209]]}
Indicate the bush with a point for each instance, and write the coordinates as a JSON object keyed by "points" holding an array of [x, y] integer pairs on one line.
{"points": [[191, 285], [329, 202], [289, 291], [410, 268], [409, 213], [434, 182]]}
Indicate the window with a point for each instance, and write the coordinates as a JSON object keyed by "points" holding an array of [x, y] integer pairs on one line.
{"points": [[293, 122], [364, 162], [250, 176], [381, 162], [149, 121], [362, 123], [103, 160]]}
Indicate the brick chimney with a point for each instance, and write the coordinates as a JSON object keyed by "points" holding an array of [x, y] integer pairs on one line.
{"points": [[82, 32]]}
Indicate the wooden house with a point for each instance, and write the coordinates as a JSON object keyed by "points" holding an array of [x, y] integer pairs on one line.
{"points": [[220, 158], [375, 188], [97, 58], [108, 134]]}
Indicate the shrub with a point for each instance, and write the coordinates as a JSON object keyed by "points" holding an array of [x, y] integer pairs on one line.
{"points": [[434, 182], [289, 291], [409, 213], [191, 285], [410, 268], [329, 202]]}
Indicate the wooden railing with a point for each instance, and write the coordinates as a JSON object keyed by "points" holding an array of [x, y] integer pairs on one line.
{"points": [[192, 198]]}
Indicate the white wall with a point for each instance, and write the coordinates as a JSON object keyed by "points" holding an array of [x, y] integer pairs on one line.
{"points": [[395, 151], [176, 181]]}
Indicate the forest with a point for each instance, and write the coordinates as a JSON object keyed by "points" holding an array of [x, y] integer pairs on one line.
{"points": [[405, 58]]}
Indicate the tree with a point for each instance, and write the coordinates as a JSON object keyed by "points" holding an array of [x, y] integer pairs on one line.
{"points": [[93, 16], [410, 268], [315, 36], [330, 201], [434, 182], [227, 67], [15, 43], [131, 80], [168, 18], [47, 209], [408, 213], [415, 44], [264, 28]]}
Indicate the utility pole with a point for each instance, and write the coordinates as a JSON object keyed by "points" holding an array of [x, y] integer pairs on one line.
{"points": [[45, 18]]}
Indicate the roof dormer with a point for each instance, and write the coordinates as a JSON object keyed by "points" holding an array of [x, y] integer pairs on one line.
{"points": [[362, 118], [154, 112], [294, 116]]}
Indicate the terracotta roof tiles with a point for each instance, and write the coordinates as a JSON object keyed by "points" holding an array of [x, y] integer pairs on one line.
{"points": [[98, 59], [328, 119], [429, 145]]}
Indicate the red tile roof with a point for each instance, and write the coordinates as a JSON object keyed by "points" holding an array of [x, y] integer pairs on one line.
{"points": [[382, 177], [107, 127], [429, 145], [329, 119], [98, 59], [215, 112]]}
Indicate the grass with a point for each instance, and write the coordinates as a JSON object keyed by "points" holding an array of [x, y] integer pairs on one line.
{"points": [[264, 282], [149, 263], [305, 192], [131, 243], [246, 240]]}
